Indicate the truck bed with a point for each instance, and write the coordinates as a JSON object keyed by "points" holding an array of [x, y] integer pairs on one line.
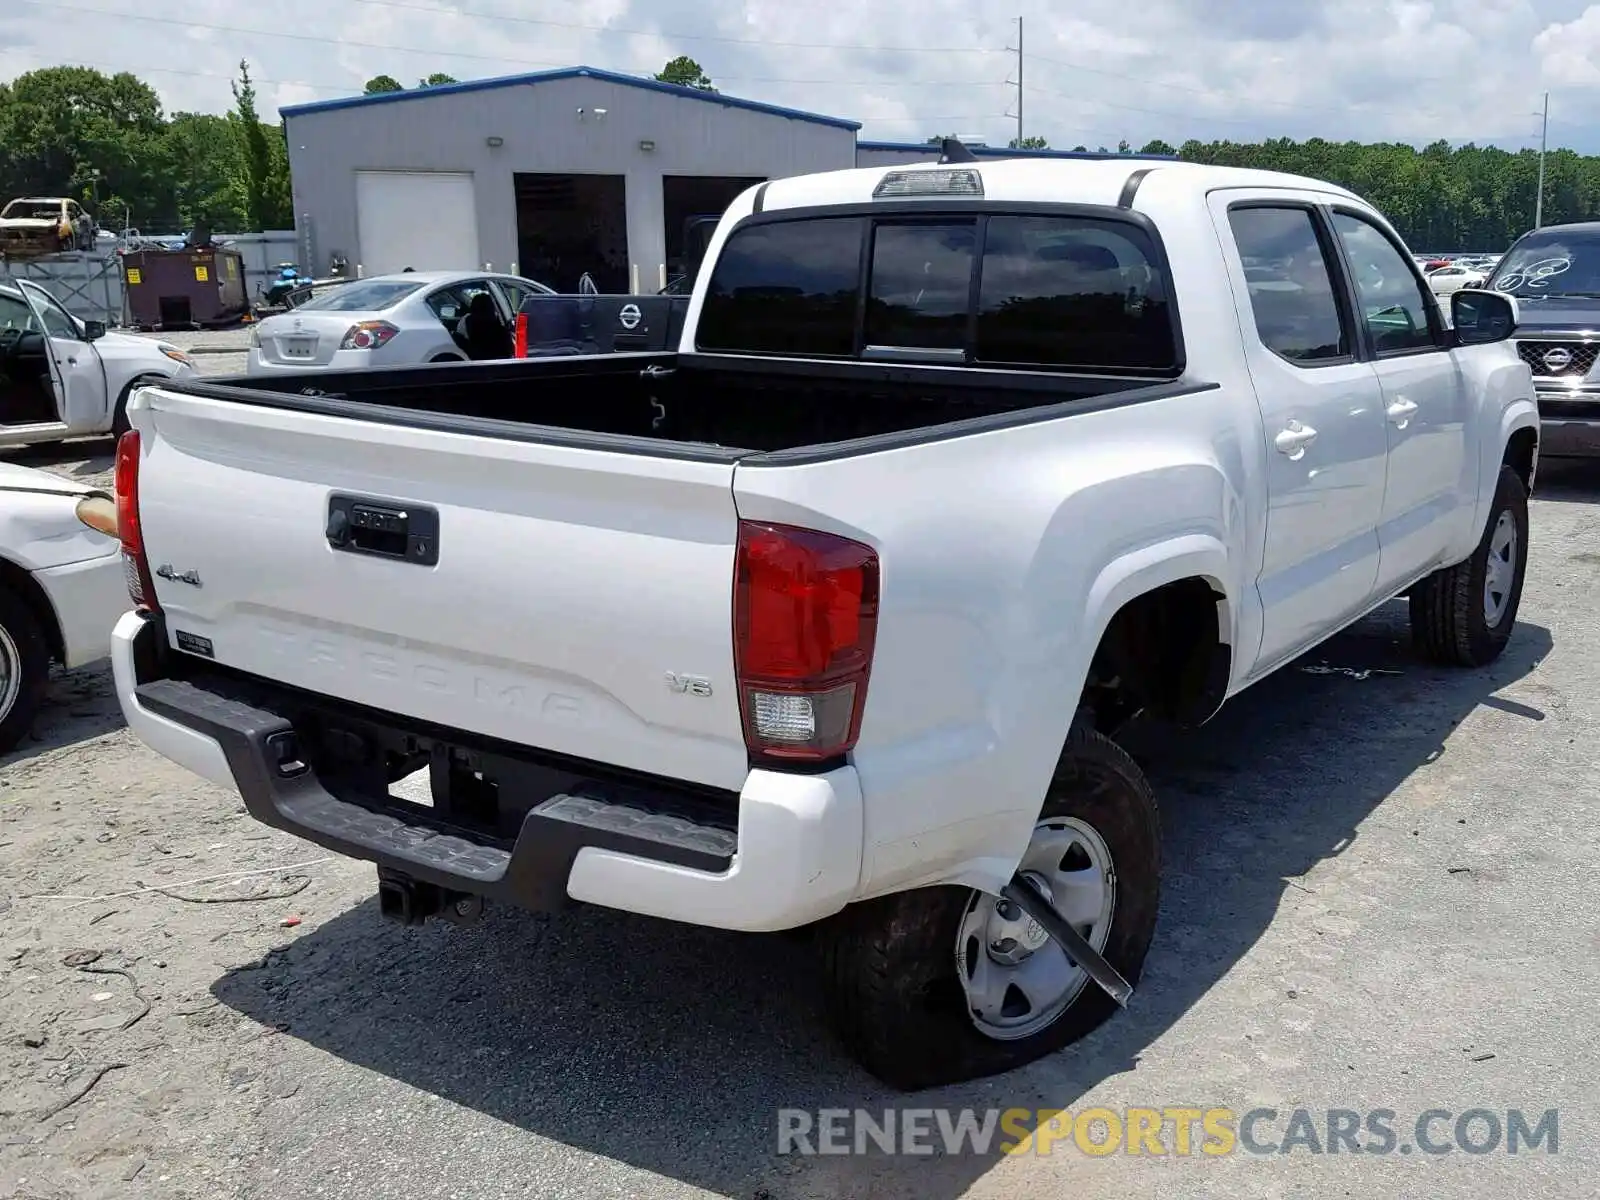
{"points": [[699, 406]]}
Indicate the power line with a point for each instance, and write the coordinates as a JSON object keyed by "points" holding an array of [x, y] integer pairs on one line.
{"points": [[344, 88], [658, 34]]}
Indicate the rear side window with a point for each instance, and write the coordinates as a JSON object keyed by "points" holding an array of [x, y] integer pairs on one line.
{"points": [[1065, 292], [1068, 292], [1291, 289], [788, 287]]}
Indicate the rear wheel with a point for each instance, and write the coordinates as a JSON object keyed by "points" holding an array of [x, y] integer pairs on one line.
{"points": [[24, 669], [1463, 615], [945, 984]]}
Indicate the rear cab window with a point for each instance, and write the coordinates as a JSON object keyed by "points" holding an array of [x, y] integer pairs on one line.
{"points": [[1004, 289]]}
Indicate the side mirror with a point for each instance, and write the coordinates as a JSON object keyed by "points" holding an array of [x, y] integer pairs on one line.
{"points": [[1482, 316], [93, 331]]}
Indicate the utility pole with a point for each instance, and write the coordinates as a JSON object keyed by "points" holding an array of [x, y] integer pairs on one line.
{"points": [[1019, 82], [1544, 139]]}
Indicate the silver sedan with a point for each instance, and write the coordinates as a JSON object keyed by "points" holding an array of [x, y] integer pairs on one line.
{"points": [[394, 320]]}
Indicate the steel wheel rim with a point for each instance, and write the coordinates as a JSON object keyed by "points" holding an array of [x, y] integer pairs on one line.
{"points": [[1500, 570], [10, 673], [1013, 993]]}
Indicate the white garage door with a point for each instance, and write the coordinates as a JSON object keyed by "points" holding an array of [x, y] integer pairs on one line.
{"points": [[422, 219]]}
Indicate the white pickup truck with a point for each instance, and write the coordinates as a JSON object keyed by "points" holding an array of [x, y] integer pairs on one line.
{"points": [[831, 616]]}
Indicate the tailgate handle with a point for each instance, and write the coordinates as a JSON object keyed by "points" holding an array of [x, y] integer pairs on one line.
{"points": [[384, 529]]}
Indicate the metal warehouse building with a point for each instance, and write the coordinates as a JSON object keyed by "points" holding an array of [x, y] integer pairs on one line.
{"points": [[551, 174], [558, 172]]}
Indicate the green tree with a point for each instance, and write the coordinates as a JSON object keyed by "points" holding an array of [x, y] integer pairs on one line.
{"points": [[202, 159], [261, 178], [379, 84], [1028, 143], [685, 72], [1157, 146], [437, 79], [60, 125]]}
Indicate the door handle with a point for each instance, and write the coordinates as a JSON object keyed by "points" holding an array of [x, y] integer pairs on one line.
{"points": [[1294, 439], [1401, 411]]}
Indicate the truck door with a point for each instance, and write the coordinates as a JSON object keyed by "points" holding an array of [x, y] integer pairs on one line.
{"points": [[1429, 501], [1321, 412], [75, 370]]}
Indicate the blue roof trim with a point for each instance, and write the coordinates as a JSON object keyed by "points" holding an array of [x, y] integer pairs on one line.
{"points": [[1004, 152], [503, 81]]}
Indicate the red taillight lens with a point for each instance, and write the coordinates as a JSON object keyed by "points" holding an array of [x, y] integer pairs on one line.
{"points": [[368, 335], [522, 335], [805, 620], [141, 587]]}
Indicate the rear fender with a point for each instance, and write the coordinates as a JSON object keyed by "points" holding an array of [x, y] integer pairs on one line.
{"points": [[997, 842]]}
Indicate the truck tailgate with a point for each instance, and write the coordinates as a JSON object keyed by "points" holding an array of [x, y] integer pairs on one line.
{"points": [[572, 587]]}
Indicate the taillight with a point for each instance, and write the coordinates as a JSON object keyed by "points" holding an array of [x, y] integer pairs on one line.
{"points": [[522, 335], [136, 568], [368, 335], [805, 620]]}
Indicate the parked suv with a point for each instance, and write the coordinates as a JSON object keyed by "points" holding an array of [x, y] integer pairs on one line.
{"points": [[1554, 273]]}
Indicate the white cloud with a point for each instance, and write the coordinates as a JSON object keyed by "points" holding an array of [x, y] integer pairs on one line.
{"points": [[1097, 71]]}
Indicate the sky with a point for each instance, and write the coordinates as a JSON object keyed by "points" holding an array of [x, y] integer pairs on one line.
{"points": [[1094, 71]]}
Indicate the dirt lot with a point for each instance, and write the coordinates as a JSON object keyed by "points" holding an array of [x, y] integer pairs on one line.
{"points": [[1381, 895]]}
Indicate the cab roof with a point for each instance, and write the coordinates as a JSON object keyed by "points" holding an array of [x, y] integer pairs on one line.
{"points": [[1032, 180]]}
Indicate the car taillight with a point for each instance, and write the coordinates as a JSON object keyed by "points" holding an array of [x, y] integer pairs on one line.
{"points": [[805, 621], [522, 335], [368, 335], [141, 587]]}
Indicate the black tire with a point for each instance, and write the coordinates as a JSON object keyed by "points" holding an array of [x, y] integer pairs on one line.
{"points": [[119, 415], [439, 358], [25, 652], [1449, 621], [889, 964]]}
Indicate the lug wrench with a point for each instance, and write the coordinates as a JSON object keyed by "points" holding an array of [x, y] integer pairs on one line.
{"points": [[1021, 892]]}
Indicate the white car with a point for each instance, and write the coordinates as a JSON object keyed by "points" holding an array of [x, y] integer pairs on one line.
{"points": [[1449, 280], [62, 377], [62, 586], [393, 320]]}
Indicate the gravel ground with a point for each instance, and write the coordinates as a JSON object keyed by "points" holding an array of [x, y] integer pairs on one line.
{"points": [[1380, 896]]}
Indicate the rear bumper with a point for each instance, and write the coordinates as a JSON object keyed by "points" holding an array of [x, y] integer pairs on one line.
{"points": [[256, 363], [788, 853]]}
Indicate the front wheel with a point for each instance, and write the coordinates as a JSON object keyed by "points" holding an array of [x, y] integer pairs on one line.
{"points": [[24, 669], [1463, 615], [941, 985]]}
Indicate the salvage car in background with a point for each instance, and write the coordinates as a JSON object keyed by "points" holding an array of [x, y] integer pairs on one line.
{"points": [[1448, 280], [45, 225], [61, 586], [396, 320], [62, 377]]}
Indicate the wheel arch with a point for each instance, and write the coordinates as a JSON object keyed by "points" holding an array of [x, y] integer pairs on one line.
{"points": [[22, 584], [1165, 633]]}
